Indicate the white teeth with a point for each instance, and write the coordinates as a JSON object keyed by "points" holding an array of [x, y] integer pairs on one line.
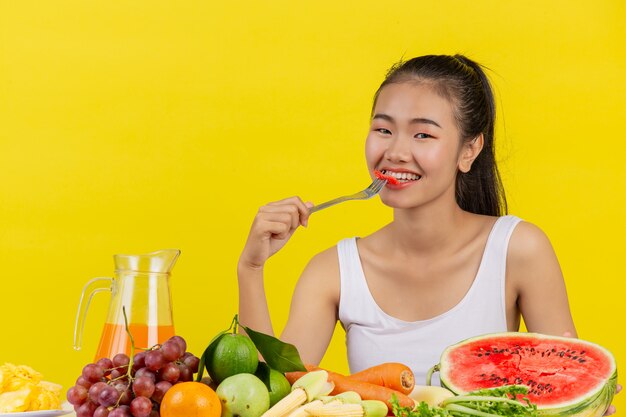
{"points": [[403, 176]]}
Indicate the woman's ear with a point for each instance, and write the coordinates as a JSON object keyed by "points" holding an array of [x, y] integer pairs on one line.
{"points": [[470, 152]]}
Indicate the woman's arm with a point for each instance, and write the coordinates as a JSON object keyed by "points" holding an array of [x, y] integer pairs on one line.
{"points": [[314, 305], [534, 273], [273, 226]]}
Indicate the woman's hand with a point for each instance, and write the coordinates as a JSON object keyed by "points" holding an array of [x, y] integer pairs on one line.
{"points": [[272, 227], [611, 410]]}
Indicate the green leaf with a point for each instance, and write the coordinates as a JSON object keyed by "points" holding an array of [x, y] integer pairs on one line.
{"points": [[263, 373], [281, 356]]}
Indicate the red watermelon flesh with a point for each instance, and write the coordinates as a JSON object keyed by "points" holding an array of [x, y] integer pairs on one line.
{"points": [[560, 372]]}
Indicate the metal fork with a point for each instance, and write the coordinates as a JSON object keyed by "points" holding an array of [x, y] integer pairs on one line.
{"points": [[373, 189]]}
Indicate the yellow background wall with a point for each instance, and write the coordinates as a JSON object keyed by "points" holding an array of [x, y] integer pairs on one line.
{"points": [[131, 126]]}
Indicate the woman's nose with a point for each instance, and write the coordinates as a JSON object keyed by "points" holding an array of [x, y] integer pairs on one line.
{"points": [[399, 150]]}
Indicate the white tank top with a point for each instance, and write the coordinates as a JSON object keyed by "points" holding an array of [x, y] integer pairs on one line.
{"points": [[374, 337]]}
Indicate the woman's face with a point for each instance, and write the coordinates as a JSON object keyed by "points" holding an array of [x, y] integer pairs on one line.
{"points": [[414, 138]]}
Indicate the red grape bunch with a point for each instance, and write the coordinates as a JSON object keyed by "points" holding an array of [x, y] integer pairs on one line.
{"points": [[120, 387]]}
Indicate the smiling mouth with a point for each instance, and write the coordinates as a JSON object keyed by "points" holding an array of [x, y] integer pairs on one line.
{"points": [[402, 176]]}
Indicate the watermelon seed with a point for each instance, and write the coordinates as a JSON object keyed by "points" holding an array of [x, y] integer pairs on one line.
{"points": [[575, 357], [582, 352]]}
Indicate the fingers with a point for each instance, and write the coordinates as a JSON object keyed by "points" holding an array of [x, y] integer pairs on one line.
{"points": [[274, 225], [292, 205], [279, 219], [283, 215], [611, 410]]}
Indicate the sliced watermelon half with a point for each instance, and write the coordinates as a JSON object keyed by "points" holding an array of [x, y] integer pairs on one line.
{"points": [[565, 376]]}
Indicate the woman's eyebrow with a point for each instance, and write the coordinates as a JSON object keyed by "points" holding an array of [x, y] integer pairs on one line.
{"points": [[416, 120]]}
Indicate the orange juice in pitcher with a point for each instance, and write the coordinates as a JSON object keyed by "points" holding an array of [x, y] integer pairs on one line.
{"points": [[141, 289]]}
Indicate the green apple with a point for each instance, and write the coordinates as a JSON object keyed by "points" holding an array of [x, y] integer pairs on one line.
{"points": [[243, 395]]}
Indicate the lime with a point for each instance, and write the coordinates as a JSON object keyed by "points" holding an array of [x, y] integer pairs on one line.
{"points": [[243, 395], [234, 354], [279, 386]]}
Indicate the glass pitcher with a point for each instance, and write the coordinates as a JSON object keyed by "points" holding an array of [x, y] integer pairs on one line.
{"points": [[141, 287]]}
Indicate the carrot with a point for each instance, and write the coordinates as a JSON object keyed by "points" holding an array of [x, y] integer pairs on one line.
{"points": [[366, 390], [392, 375]]}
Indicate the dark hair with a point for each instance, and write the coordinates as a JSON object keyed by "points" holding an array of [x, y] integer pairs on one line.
{"points": [[464, 83]]}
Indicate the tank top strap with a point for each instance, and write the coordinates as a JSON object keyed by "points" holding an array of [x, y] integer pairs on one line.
{"points": [[494, 257], [349, 260], [354, 292]]}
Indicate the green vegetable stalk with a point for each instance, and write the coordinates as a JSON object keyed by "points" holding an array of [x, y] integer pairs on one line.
{"points": [[492, 402]]}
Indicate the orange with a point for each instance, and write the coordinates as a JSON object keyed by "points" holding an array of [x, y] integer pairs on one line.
{"points": [[191, 399]]}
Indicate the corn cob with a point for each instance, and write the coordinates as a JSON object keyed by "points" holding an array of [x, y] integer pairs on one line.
{"points": [[301, 411], [346, 397], [305, 389], [366, 408]]}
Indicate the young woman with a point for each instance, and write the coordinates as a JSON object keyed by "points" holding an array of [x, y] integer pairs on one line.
{"points": [[450, 265]]}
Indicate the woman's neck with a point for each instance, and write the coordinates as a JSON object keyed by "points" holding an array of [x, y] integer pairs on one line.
{"points": [[426, 230]]}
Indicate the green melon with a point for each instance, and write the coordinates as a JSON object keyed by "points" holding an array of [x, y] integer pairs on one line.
{"points": [[565, 376]]}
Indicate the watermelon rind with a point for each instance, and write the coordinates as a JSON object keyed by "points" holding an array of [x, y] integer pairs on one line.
{"points": [[593, 403]]}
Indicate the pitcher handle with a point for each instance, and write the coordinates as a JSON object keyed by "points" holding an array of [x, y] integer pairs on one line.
{"points": [[94, 286]]}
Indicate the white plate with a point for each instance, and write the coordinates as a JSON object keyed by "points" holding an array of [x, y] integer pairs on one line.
{"points": [[42, 413], [66, 409]]}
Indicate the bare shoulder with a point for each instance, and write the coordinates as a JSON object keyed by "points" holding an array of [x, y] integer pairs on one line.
{"points": [[325, 262], [527, 243], [321, 274], [531, 260]]}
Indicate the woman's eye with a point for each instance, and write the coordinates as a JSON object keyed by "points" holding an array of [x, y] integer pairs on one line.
{"points": [[422, 136], [383, 131]]}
